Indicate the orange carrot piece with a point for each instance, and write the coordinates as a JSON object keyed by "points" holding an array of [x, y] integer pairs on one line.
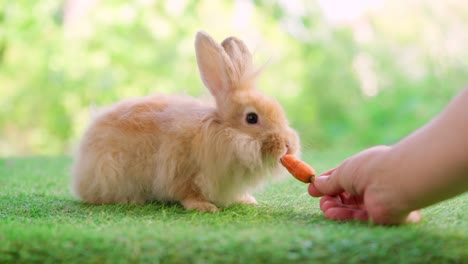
{"points": [[299, 169]]}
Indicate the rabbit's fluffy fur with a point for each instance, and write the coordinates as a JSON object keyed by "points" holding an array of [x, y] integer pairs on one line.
{"points": [[177, 148]]}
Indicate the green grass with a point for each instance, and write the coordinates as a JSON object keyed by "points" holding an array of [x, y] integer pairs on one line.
{"points": [[41, 222]]}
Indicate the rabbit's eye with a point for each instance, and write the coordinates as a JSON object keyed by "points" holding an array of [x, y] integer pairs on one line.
{"points": [[252, 118]]}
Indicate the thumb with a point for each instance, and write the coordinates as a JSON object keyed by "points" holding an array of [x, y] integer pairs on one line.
{"points": [[329, 184]]}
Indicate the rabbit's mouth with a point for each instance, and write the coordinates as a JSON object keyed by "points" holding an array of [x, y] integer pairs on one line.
{"points": [[275, 146]]}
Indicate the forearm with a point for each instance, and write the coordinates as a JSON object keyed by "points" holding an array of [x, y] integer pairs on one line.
{"points": [[432, 163]]}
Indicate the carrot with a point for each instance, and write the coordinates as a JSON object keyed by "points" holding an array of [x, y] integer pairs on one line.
{"points": [[299, 169]]}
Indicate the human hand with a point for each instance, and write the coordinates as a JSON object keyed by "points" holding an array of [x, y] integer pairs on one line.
{"points": [[362, 188]]}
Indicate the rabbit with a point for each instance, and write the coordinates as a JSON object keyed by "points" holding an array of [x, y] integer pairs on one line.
{"points": [[174, 148]]}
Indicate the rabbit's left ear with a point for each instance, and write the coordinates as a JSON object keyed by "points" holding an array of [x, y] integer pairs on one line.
{"points": [[240, 55], [216, 69]]}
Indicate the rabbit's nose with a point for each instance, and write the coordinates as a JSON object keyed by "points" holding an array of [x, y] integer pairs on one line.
{"points": [[291, 146], [288, 148]]}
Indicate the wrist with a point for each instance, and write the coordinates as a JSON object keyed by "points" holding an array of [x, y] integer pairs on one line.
{"points": [[390, 166]]}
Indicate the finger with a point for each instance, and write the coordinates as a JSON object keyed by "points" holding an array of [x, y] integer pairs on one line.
{"points": [[353, 201], [313, 191], [346, 214], [338, 201], [414, 217], [328, 185], [329, 201]]}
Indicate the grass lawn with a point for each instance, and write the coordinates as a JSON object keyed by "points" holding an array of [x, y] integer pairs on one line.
{"points": [[41, 222]]}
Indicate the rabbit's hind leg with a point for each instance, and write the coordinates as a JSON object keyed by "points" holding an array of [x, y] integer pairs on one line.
{"points": [[102, 180]]}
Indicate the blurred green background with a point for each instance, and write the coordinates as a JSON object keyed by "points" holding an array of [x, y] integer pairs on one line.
{"points": [[350, 74]]}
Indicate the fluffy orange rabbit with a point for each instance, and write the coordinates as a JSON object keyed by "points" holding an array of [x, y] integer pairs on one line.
{"points": [[178, 148]]}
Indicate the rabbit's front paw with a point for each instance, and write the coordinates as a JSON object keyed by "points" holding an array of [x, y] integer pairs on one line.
{"points": [[201, 206], [247, 199]]}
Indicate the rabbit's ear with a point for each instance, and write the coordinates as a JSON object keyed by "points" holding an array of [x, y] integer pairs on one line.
{"points": [[240, 55], [215, 66]]}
